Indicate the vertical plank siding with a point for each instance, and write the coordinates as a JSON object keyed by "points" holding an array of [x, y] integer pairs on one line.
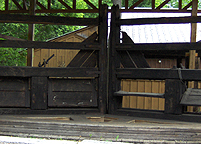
{"points": [[62, 57], [149, 86]]}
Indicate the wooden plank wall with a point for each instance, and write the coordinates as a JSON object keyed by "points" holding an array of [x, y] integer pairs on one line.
{"points": [[150, 86], [62, 57]]}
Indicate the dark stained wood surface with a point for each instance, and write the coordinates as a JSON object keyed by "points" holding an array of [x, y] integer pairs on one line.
{"points": [[14, 92], [39, 93], [51, 72], [164, 20], [49, 45], [56, 20], [183, 46], [72, 93], [158, 74]]}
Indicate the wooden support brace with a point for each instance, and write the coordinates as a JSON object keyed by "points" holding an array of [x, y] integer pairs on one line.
{"points": [[17, 4], [90, 4], [174, 90], [162, 5], [63, 3], [40, 5], [136, 4]]}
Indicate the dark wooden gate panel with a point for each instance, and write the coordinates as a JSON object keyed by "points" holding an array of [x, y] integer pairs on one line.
{"points": [[14, 92], [72, 93]]}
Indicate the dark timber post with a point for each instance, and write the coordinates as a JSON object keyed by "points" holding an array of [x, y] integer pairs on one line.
{"points": [[114, 62], [103, 31], [38, 93], [173, 94], [31, 28]]}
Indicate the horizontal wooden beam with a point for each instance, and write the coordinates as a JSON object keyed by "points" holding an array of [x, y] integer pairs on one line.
{"points": [[49, 45], [158, 74], [55, 20], [123, 93], [184, 46], [47, 72], [95, 11], [167, 20]]}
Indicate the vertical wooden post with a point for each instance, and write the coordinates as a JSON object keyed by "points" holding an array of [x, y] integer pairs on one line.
{"points": [[114, 84], [153, 4], [31, 28], [193, 39], [173, 93], [39, 93], [103, 31]]}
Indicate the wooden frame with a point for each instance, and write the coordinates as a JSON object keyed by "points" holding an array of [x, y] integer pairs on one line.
{"points": [[175, 77], [39, 81]]}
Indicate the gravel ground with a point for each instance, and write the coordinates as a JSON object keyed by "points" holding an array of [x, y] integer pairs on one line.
{"points": [[17, 140]]}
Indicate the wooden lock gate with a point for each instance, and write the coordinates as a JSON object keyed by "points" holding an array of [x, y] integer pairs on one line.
{"points": [[92, 77]]}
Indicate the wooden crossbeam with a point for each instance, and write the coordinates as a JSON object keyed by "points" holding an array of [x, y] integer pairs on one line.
{"points": [[184, 46], [158, 74], [45, 72], [64, 4], [90, 4], [40, 5], [136, 4], [11, 18], [167, 20], [48, 45], [163, 4]]}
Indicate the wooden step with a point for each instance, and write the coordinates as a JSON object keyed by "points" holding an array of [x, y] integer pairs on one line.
{"points": [[191, 97], [123, 93]]}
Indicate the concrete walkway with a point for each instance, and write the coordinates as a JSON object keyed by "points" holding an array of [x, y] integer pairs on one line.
{"points": [[17, 140]]}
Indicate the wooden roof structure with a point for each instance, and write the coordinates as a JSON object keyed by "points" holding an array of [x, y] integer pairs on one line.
{"points": [[22, 6]]}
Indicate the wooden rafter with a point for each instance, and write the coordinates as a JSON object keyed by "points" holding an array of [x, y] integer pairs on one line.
{"points": [[180, 4], [49, 4], [90, 4], [64, 4], [6, 4], [17, 4], [93, 8], [153, 4], [136, 4], [163, 4], [187, 6], [40, 5], [74, 4], [24, 5]]}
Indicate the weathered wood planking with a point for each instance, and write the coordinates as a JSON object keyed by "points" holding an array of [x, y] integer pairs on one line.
{"points": [[71, 93], [48, 45], [45, 72], [71, 131], [14, 92], [56, 20]]}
